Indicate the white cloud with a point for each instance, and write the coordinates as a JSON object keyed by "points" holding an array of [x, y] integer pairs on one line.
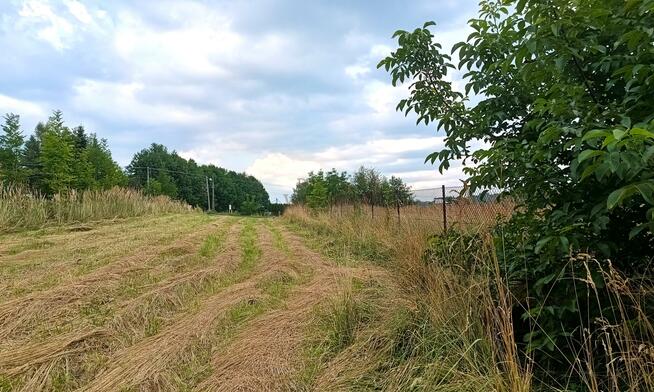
{"points": [[24, 108], [61, 25], [79, 11], [377, 151], [382, 97], [47, 25], [121, 101], [185, 50], [283, 170], [356, 71], [428, 179]]}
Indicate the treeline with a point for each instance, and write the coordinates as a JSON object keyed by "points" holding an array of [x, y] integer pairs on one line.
{"points": [[57, 159], [169, 174], [365, 186]]}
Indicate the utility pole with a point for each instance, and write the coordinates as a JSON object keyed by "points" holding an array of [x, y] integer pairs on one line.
{"points": [[206, 179], [213, 195], [148, 175]]}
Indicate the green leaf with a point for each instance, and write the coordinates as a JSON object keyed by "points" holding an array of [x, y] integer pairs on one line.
{"points": [[648, 154], [587, 154], [618, 134], [594, 134], [637, 230], [617, 196], [646, 190], [541, 243], [642, 132]]}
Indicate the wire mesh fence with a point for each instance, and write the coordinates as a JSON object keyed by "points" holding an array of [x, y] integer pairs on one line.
{"points": [[441, 207], [456, 205]]}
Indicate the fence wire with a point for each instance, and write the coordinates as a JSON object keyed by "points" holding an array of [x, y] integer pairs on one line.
{"points": [[444, 207], [456, 205]]}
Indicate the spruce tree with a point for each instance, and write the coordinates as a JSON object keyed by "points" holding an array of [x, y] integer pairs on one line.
{"points": [[11, 143]]}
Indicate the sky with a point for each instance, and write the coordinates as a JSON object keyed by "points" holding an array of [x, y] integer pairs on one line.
{"points": [[273, 88]]}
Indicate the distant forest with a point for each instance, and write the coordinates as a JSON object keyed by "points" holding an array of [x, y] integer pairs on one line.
{"points": [[58, 159], [365, 186]]}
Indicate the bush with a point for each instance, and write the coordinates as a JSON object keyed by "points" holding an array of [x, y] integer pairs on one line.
{"points": [[566, 111], [250, 206]]}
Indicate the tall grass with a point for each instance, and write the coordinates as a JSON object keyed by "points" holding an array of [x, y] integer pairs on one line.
{"points": [[20, 209], [455, 329], [434, 334]]}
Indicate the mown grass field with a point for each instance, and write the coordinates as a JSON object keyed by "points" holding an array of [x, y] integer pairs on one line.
{"points": [[173, 302]]}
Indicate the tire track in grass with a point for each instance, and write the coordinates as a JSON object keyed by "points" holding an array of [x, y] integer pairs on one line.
{"points": [[267, 354]]}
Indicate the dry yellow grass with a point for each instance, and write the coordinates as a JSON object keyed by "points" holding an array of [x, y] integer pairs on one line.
{"points": [[19, 209], [158, 313], [431, 334]]}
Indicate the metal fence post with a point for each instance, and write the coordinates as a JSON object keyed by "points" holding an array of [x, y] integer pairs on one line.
{"points": [[444, 211]]}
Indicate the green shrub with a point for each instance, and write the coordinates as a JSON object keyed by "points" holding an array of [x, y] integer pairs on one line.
{"points": [[250, 206], [565, 107]]}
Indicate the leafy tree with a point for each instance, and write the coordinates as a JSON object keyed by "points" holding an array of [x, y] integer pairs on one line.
{"points": [[105, 171], [396, 192], [250, 206], [338, 187], [82, 169], [11, 143], [186, 180], [365, 186], [565, 104]]}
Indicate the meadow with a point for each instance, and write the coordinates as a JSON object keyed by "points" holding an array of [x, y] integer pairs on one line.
{"points": [[154, 297], [164, 302]]}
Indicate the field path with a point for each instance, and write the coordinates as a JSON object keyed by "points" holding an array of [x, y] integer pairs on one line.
{"points": [[266, 356]]}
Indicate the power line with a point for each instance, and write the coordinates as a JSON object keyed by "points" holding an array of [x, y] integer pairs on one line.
{"points": [[211, 204]]}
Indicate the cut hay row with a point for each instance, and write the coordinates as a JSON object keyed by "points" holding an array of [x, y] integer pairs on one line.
{"points": [[188, 314], [50, 304], [61, 235], [129, 324], [151, 361], [32, 271]]}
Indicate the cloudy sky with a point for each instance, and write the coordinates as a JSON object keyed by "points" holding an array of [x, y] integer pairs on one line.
{"points": [[274, 88]]}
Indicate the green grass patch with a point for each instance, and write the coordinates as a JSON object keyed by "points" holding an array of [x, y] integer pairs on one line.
{"points": [[344, 247], [8, 384], [336, 326], [30, 245], [210, 245]]}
